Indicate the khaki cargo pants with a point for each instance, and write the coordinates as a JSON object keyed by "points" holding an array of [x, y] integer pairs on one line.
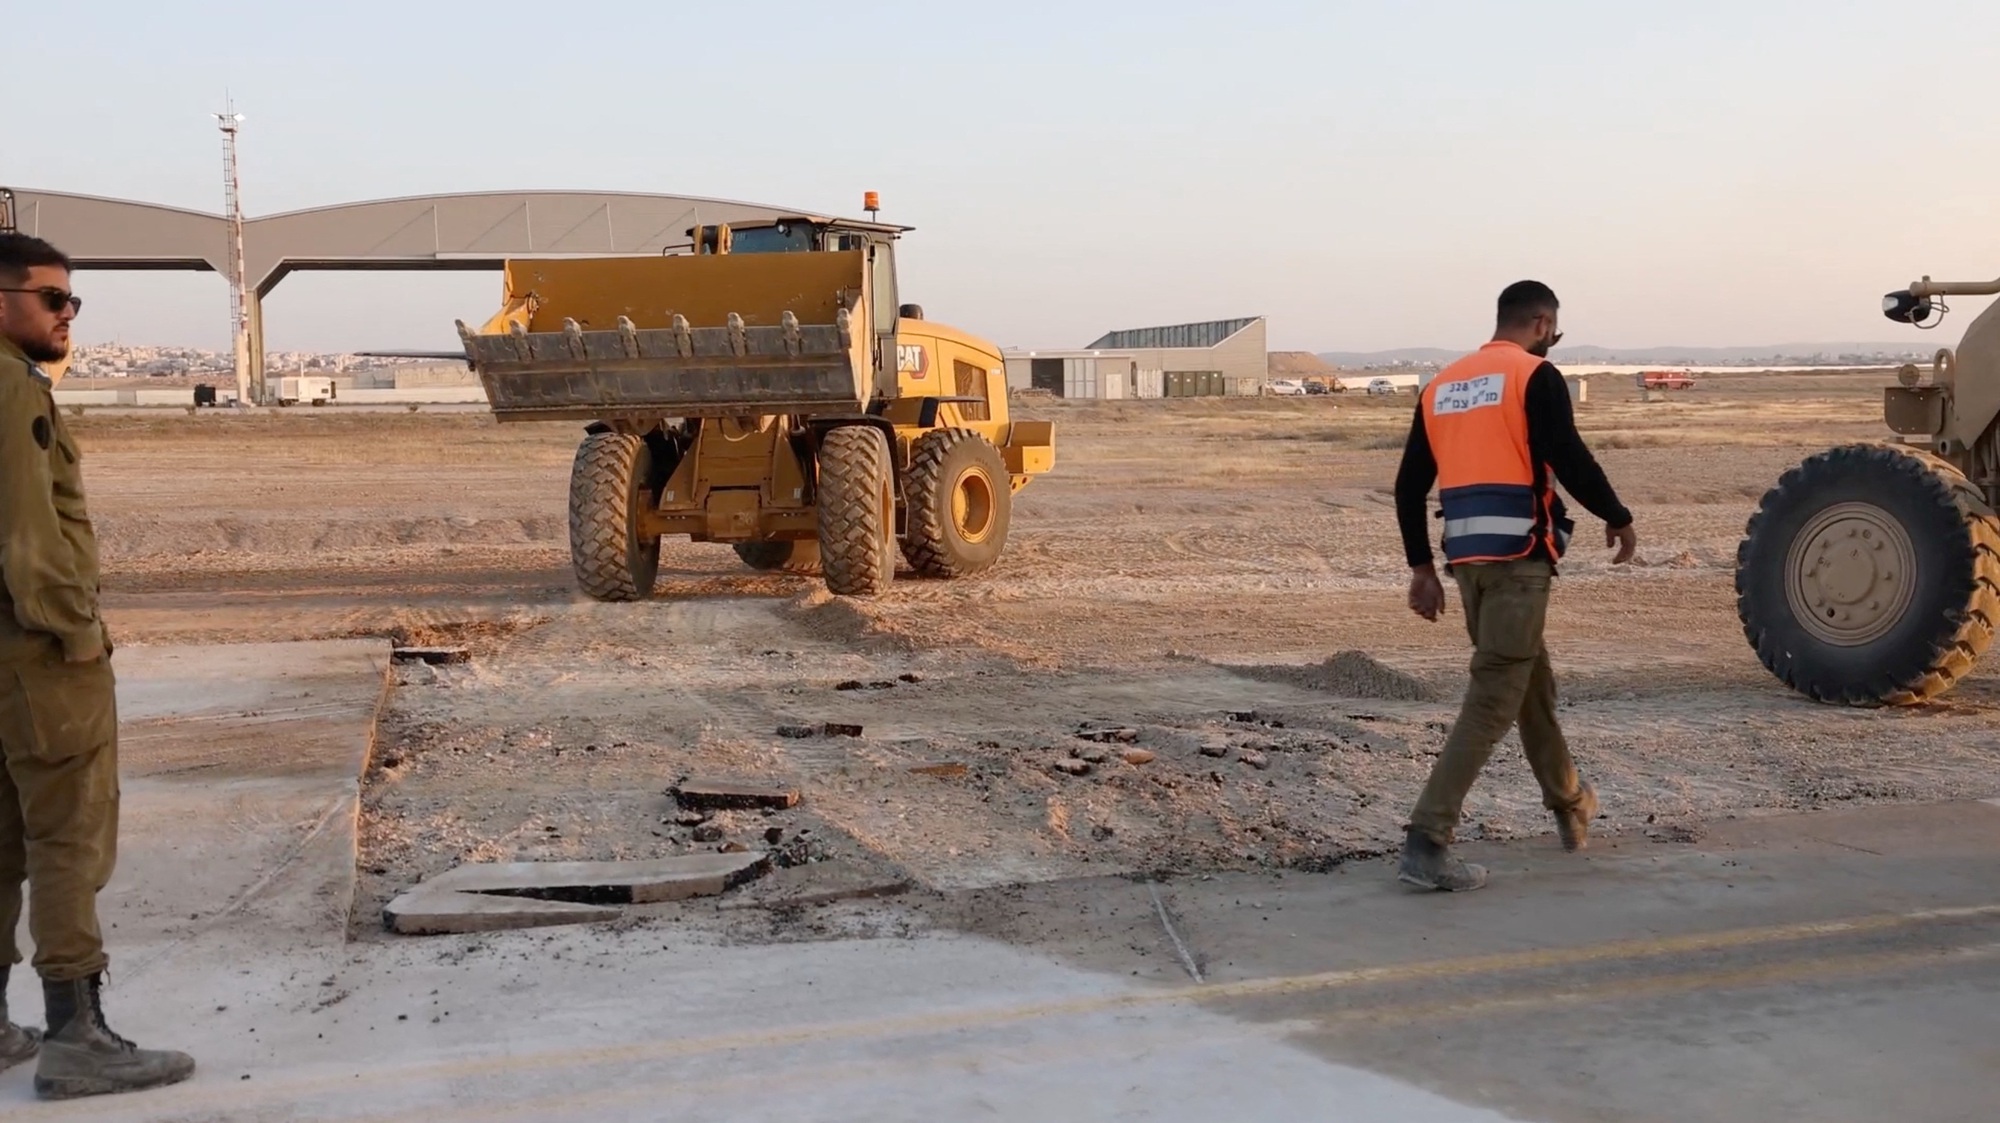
{"points": [[1506, 604], [58, 809]]}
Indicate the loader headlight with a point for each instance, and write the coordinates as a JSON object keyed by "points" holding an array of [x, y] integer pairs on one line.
{"points": [[1906, 307]]}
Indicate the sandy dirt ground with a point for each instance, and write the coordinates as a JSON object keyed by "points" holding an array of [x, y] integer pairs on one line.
{"points": [[1195, 655]]}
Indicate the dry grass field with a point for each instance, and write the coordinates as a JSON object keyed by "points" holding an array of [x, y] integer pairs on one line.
{"points": [[1222, 577]]}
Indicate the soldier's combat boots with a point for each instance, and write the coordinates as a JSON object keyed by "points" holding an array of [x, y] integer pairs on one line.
{"points": [[1574, 824], [17, 1043], [82, 1057], [1429, 864]]}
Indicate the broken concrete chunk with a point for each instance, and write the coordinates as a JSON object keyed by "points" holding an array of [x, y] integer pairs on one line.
{"points": [[943, 770], [428, 914], [432, 655], [724, 795], [493, 896]]}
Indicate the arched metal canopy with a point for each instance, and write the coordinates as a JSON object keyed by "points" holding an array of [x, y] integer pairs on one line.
{"points": [[477, 230]]}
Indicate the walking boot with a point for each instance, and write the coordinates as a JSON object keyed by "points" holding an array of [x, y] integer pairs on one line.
{"points": [[1429, 864], [82, 1057], [17, 1043], [1574, 824]]}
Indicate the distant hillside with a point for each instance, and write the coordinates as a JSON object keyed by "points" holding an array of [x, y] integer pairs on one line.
{"points": [[1297, 364], [1780, 354]]}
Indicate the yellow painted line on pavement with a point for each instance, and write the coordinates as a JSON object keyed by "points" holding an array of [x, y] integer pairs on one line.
{"points": [[188, 1097]]}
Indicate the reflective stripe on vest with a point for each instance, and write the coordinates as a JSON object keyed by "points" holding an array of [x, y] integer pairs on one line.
{"points": [[1476, 419]]}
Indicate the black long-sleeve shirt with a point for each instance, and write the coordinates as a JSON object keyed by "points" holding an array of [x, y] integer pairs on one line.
{"points": [[1552, 441]]}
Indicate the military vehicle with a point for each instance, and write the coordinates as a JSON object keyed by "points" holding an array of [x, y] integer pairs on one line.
{"points": [[1870, 575]]}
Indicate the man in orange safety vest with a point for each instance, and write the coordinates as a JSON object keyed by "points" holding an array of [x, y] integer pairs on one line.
{"points": [[1491, 430]]}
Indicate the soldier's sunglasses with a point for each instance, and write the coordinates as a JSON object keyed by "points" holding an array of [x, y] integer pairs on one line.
{"points": [[54, 298]]}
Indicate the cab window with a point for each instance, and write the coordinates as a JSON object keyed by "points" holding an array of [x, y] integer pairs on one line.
{"points": [[971, 383]]}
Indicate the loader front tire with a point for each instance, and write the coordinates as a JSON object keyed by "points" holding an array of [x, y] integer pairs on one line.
{"points": [[856, 511], [960, 504], [801, 558], [1870, 576], [609, 492]]}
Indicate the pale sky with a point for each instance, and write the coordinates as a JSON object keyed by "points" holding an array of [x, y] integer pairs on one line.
{"points": [[1368, 175]]}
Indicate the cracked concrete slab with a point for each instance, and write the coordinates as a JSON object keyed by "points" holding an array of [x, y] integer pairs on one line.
{"points": [[489, 897]]}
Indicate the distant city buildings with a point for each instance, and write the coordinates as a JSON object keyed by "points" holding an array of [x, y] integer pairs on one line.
{"points": [[117, 360]]}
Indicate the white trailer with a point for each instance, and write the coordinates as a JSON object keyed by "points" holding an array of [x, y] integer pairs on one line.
{"points": [[293, 389]]}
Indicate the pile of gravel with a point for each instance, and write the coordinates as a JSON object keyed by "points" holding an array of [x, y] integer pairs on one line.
{"points": [[1350, 674]]}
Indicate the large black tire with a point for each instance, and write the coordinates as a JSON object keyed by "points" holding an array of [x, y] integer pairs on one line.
{"points": [[856, 511], [960, 504], [801, 557], [609, 488], [1870, 576]]}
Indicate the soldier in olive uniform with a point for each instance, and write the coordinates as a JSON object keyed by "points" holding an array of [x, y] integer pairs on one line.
{"points": [[58, 716]]}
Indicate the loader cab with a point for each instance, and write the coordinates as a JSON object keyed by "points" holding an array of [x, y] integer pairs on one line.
{"points": [[794, 234], [818, 234]]}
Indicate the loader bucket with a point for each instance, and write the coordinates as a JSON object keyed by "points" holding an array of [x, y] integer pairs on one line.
{"points": [[697, 336]]}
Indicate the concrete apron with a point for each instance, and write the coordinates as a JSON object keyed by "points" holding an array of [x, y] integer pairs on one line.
{"points": [[1831, 967], [240, 773]]}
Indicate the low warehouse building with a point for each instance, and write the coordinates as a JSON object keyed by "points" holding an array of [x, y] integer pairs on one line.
{"points": [[1213, 358], [1110, 375]]}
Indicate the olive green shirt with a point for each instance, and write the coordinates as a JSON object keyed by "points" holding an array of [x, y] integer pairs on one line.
{"points": [[48, 551]]}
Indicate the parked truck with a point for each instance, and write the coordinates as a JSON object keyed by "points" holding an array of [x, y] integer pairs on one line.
{"points": [[1666, 380]]}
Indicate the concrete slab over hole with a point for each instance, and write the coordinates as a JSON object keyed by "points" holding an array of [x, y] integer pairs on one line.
{"points": [[493, 896]]}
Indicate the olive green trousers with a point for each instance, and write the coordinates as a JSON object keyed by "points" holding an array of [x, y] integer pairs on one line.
{"points": [[1506, 605], [58, 809]]}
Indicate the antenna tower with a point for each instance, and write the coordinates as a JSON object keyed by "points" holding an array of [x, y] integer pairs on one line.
{"points": [[232, 197]]}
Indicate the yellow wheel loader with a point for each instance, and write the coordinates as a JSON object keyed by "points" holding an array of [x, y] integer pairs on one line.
{"points": [[1870, 575], [767, 390]]}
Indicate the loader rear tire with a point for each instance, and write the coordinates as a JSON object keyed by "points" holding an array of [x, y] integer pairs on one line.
{"points": [[801, 558], [960, 504], [1870, 576], [857, 511], [609, 491]]}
